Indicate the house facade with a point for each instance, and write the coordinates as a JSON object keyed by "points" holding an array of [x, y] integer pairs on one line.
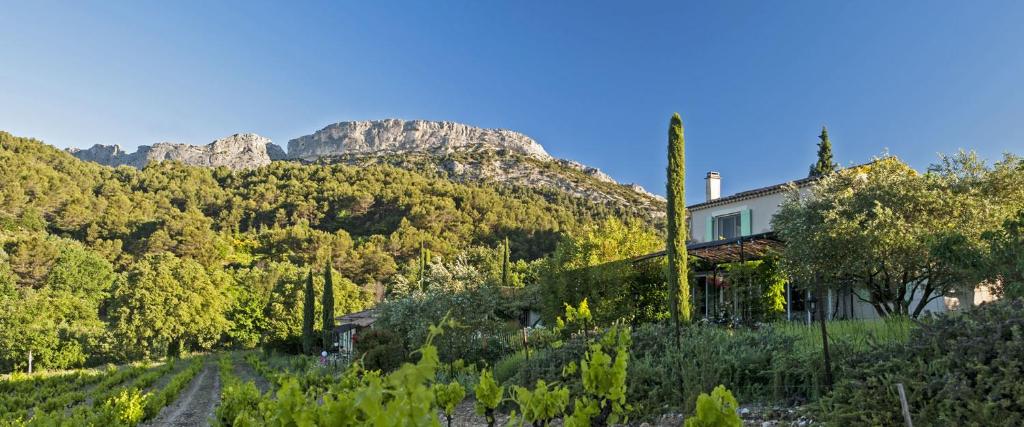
{"points": [[737, 228]]}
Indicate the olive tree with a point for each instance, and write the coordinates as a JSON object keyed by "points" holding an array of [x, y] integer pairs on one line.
{"points": [[883, 229]]}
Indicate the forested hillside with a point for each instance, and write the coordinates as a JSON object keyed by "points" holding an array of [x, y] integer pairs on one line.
{"points": [[100, 264]]}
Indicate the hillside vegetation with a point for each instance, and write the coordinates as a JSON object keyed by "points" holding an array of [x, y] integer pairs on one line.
{"points": [[100, 263]]}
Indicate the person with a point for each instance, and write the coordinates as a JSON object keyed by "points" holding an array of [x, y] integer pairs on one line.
{"points": [[323, 358]]}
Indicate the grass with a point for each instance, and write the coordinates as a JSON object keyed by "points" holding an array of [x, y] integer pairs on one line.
{"points": [[862, 335]]}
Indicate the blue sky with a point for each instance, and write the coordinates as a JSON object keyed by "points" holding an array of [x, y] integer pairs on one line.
{"points": [[591, 81]]}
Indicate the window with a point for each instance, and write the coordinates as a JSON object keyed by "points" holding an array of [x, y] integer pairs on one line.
{"points": [[727, 226]]}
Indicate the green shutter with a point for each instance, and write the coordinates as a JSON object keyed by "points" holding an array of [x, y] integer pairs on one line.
{"points": [[745, 222], [709, 230]]}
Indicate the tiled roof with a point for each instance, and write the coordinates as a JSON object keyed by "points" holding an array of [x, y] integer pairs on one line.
{"points": [[749, 194]]}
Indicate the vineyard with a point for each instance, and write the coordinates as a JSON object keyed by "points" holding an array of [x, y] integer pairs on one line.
{"points": [[255, 388]]}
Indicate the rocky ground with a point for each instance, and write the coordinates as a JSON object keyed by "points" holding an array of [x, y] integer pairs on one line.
{"points": [[195, 405]]}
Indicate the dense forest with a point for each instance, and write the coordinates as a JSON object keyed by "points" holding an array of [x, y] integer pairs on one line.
{"points": [[111, 264]]}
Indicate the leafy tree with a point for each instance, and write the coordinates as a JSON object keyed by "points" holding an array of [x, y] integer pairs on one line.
{"points": [[308, 313], [824, 165], [163, 304], [1005, 260], [678, 277], [327, 304], [883, 230], [594, 265]]}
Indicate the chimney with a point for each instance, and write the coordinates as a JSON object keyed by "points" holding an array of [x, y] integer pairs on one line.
{"points": [[713, 186]]}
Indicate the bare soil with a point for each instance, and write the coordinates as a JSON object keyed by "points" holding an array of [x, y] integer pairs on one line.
{"points": [[245, 371], [195, 405]]}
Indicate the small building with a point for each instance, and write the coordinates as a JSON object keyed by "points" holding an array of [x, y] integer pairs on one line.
{"points": [[349, 325]]}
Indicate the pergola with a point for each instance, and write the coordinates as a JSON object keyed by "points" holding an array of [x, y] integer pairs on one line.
{"points": [[737, 249], [720, 252]]}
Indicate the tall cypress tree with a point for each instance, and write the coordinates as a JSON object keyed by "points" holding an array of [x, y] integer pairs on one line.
{"points": [[328, 308], [308, 313], [824, 165], [424, 261], [506, 265], [678, 275]]}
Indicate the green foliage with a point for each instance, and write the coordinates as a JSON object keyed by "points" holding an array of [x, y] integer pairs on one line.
{"points": [[604, 378], [488, 396], [308, 313], [824, 165], [327, 305], [761, 287], [957, 369], [1004, 262], [164, 302], [506, 264], [249, 231], [675, 248], [380, 350], [484, 333], [127, 408], [542, 404], [895, 234], [236, 397], [594, 265], [448, 396], [716, 410], [157, 400]]}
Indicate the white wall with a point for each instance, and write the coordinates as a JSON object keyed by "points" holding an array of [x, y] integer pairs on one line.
{"points": [[761, 211]]}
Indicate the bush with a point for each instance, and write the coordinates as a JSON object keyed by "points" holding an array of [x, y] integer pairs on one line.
{"points": [[958, 369], [716, 410], [509, 366], [380, 350], [776, 363]]}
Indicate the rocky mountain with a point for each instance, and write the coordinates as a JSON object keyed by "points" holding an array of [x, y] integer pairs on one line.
{"points": [[399, 136], [460, 152], [238, 151]]}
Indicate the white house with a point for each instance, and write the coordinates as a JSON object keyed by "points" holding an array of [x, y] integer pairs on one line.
{"points": [[738, 227]]}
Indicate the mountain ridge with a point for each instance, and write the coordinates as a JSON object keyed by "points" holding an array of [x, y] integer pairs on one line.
{"points": [[459, 151]]}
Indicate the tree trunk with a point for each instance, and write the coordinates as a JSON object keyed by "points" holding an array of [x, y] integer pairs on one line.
{"points": [[824, 338]]}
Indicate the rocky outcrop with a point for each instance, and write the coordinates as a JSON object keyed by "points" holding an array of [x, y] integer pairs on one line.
{"points": [[238, 151], [462, 152], [394, 136]]}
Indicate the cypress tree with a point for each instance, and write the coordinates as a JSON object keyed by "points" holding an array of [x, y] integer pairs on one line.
{"points": [[328, 307], [678, 276], [424, 261], [308, 313], [505, 265], [824, 165]]}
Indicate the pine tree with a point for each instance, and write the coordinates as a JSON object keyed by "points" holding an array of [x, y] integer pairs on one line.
{"points": [[506, 265], [327, 304], [678, 276], [824, 165], [308, 313]]}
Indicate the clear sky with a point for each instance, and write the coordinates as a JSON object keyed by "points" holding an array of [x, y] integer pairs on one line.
{"points": [[591, 81]]}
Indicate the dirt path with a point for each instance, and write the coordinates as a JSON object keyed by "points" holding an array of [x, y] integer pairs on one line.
{"points": [[195, 404], [245, 371]]}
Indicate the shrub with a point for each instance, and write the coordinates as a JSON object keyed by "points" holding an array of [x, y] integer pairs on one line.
{"points": [[380, 349], [957, 369], [509, 366], [716, 410]]}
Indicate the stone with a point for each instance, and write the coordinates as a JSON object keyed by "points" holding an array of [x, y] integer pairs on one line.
{"points": [[392, 136], [238, 151]]}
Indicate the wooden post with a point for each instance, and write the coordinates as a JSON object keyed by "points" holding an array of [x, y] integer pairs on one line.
{"points": [[903, 405], [526, 345], [30, 361]]}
